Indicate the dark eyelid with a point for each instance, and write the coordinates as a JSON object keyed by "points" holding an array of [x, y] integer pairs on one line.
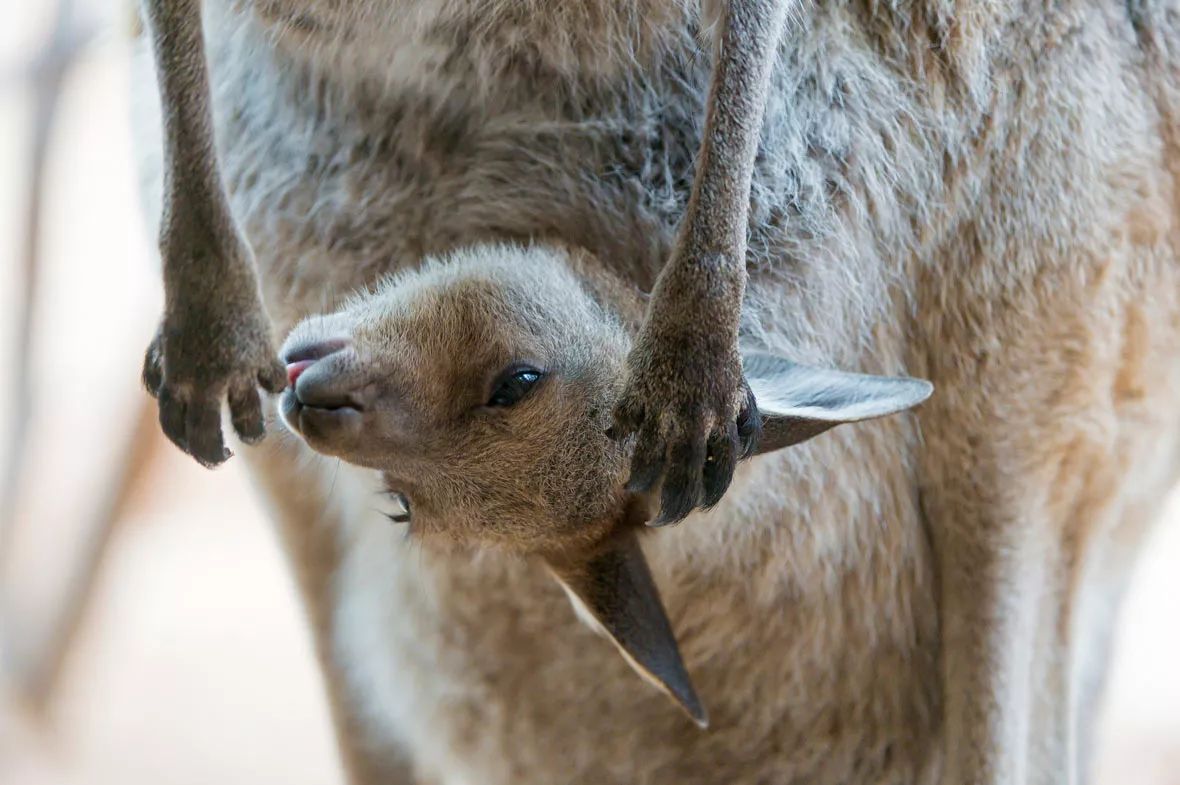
{"points": [[511, 371]]}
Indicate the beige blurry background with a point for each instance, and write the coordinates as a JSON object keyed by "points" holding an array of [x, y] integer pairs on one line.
{"points": [[191, 662]]}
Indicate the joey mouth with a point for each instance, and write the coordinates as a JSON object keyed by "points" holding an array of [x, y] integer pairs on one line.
{"points": [[325, 428], [326, 397]]}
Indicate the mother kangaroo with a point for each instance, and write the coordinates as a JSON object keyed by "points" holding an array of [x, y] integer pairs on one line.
{"points": [[982, 193]]}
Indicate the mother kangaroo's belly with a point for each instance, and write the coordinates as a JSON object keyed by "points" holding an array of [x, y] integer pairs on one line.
{"points": [[804, 602]]}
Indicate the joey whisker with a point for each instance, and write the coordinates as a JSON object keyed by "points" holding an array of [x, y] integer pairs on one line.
{"points": [[331, 490]]}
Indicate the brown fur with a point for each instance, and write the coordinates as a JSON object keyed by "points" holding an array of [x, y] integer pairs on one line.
{"points": [[979, 193]]}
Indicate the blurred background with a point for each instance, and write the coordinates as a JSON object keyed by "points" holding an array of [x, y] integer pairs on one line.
{"points": [[149, 629]]}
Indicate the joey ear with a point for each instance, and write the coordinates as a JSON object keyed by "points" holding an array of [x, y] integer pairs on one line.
{"points": [[798, 402], [613, 592]]}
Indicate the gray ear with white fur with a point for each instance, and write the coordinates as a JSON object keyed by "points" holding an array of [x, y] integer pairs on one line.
{"points": [[613, 592], [798, 402]]}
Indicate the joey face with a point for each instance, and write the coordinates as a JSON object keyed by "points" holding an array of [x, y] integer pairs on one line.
{"points": [[481, 388]]}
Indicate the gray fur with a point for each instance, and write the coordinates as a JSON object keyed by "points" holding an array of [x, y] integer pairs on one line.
{"points": [[214, 342], [978, 193]]}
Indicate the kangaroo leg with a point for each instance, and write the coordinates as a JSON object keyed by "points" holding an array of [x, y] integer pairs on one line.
{"points": [[684, 395], [215, 340]]}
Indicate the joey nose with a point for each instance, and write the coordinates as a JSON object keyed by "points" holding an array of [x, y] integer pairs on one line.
{"points": [[310, 352], [299, 358], [323, 375]]}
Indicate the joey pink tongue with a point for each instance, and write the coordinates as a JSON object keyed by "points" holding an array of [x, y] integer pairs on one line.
{"points": [[296, 369]]}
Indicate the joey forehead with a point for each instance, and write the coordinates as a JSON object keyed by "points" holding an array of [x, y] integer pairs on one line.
{"points": [[445, 347]]}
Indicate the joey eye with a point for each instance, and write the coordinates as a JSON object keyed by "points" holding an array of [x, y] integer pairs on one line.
{"points": [[514, 386], [400, 512]]}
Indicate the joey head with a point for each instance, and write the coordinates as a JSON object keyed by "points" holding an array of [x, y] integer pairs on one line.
{"points": [[481, 386]]}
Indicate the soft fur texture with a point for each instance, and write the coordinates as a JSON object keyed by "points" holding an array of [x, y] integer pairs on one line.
{"points": [[214, 343], [981, 193]]}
